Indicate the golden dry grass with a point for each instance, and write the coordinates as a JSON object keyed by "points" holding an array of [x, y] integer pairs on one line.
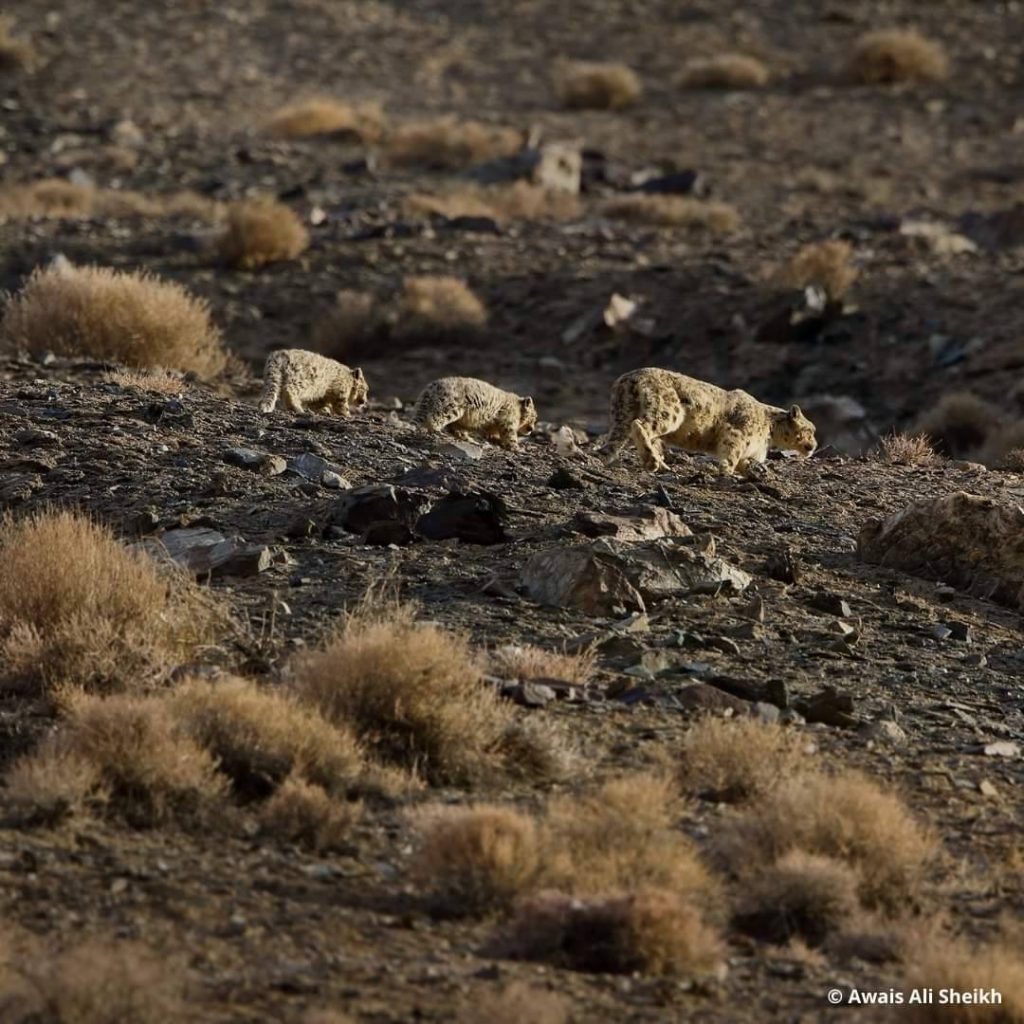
{"points": [[960, 423], [524, 661], [950, 964], [517, 1003], [321, 115], [732, 760], [587, 85], [96, 982], [652, 931], [447, 144], [147, 770], [260, 736], [56, 198], [52, 783], [907, 449], [302, 812], [413, 692], [801, 896], [158, 381], [724, 71], [621, 837], [846, 817], [354, 320], [432, 307], [672, 211], [80, 610], [518, 201], [16, 54], [476, 859], [259, 232], [134, 319], [1002, 449], [897, 55], [826, 265]]}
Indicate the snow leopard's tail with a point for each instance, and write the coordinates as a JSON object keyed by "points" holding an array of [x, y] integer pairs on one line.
{"points": [[273, 375]]}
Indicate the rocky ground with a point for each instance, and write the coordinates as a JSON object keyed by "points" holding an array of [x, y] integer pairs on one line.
{"points": [[906, 675]]}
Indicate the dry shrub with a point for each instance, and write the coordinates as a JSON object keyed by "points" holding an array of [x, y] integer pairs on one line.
{"points": [[476, 859], [1005, 447], [99, 982], [620, 838], [325, 1015], [51, 784], [438, 307], [259, 232], [57, 198], [354, 320], [825, 265], [946, 964], [78, 609], [447, 144], [731, 760], [518, 201], [324, 116], [260, 736], [801, 896], [146, 769], [518, 1003], [304, 813], [15, 54], [653, 931], [908, 449], [959, 423], [897, 55], [672, 211], [412, 691], [585, 85], [528, 662], [846, 817], [159, 381], [724, 71], [135, 319]]}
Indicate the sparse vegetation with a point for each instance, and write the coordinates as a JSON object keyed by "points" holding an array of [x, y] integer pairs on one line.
{"points": [[363, 122], [951, 964], [732, 760], [303, 812], [259, 232], [95, 312], [801, 896], [437, 307], [447, 144], [725, 71], [413, 692], [655, 932], [53, 783], [846, 817], [1004, 446], [476, 859], [826, 265], [908, 449], [897, 55], [959, 423], [159, 381], [672, 211], [516, 1004], [514, 661], [80, 610], [356, 319], [260, 737], [57, 198], [585, 85]]}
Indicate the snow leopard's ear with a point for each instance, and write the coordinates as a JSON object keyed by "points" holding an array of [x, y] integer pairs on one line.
{"points": [[357, 374], [794, 412]]}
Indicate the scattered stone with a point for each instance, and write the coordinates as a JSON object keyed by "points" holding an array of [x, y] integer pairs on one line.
{"points": [[975, 660], [364, 508], [940, 238], [1002, 748], [203, 551], [681, 183], [754, 610], [632, 525], [317, 470], [244, 457], [554, 165], [529, 694], [782, 566], [19, 487], [467, 451], [580, 577], [474, 518], [35, 436], [941, 632], [830, 707], [986, 788], [615, 314], [564, 440], [703, 697], [883, 731], [973, 543], [563, 480], [768, 713], [832, 604], [960, 631], [1003, 229]]}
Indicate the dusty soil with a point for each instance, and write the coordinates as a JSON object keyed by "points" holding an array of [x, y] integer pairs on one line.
{"points": [[270, 931]]}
